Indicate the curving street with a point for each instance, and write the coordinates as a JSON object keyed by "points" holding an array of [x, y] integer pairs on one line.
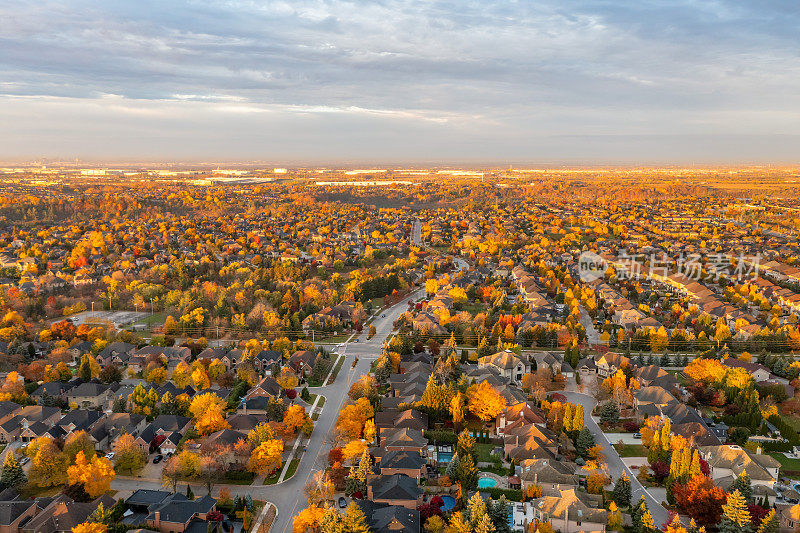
{"points": [[615, 464], [288, 496]]}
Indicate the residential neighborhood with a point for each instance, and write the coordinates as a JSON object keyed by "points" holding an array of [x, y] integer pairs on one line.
{"points": [[275, 356]]}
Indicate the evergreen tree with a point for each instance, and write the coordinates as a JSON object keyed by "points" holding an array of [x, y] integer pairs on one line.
{"points": [[637, 512], [248, 502], [584, 441], [452, 467], [13, 475], [646, 524], [622, 491], [467, 473], [742, 484], [735, 516], [189, 493], [498, 513], [609, 413]]}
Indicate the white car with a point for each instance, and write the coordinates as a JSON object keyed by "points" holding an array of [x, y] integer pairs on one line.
{"points": [[110, 455]]}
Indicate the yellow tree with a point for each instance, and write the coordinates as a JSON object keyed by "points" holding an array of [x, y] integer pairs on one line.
{"points": [[208, 413], [266, 457], [48, 463], [182, 375], [484, 401], [90, 527], [95, 474], [200, 379], [308, 520]]}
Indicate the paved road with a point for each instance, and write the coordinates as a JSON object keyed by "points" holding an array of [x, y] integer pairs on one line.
{"points": [[592, 335], [615, 464], [288, 496], [416, 233]]}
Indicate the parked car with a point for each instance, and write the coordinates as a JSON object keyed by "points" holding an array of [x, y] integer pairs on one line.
{"points": [[157, 459], [342, 502], [24, 460], [110, 455], [637, 435]]}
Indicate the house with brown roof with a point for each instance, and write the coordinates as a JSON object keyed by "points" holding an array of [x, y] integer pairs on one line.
{"points": [[507, 363], [571, 511]]}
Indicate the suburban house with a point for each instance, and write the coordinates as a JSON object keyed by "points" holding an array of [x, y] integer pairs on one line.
{"points": [[507, 363], [395, 489]]}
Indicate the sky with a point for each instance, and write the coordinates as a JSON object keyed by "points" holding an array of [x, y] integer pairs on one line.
{"points": [[706, 81]]}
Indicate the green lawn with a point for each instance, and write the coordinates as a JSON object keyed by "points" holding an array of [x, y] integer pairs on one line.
{"points": [[793, 421], [633, 450], [271, 480], [483, 453], [789, 467], [153, 320]]}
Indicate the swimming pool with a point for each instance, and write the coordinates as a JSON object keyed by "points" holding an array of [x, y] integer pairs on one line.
{"points": [[445, 457], [449, 503], [487, 483]]}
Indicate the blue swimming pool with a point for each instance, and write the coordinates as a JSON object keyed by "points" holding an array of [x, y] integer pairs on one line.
{"points": [[449, 503], [487, 483], [445, 457]]}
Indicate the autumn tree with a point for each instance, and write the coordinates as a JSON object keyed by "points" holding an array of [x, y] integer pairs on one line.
{"points": [[735, 516], [318, 489], [700, 499], [484, 401], [90, 527], [266, 457], [48, 463], [76, 442], [128, 456], [308, 520], [208, 412], [354, 520], [95, 474]]}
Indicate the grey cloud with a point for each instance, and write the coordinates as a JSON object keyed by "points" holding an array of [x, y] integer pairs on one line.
{"points": [[486, 69]]}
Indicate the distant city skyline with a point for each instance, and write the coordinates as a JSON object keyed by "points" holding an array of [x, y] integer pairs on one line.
{"points": [[492, 83]]}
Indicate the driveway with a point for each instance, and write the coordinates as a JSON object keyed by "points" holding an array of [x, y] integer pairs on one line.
{"points": [[288, 496], [615, 464]]}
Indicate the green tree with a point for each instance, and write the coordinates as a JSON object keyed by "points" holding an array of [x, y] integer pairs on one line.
{"points": [[609, 413], [584, 441], [622, 491], [13, 475], [743, 485]]}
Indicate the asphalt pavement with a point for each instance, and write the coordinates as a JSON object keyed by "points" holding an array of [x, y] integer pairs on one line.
{"points": [[615, 464], [288, 496]]}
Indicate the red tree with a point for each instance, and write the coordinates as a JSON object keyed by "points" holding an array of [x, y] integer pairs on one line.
{"points": [[700, 499]]}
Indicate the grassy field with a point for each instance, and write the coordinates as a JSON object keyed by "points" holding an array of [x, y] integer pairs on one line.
{"points": [[483, 453], [793, 421], [789, 467], [633, 450], [153, 320]]}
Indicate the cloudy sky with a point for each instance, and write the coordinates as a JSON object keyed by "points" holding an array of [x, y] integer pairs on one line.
{"points": [[402, 80]]}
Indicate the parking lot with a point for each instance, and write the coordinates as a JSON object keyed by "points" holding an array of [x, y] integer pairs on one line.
{"points": [[119, 319]]}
